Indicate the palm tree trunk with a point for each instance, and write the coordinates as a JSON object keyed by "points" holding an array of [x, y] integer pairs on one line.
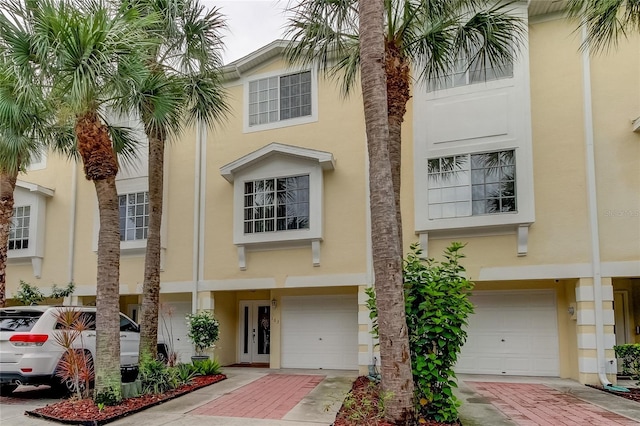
{"points": [[151, 285], [100, 166], [397, 379], [398, 94], [7, 186], [107, 363]]}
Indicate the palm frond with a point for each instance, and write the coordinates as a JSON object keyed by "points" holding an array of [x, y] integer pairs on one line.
{"points": [[323, 33], [606, 21]]}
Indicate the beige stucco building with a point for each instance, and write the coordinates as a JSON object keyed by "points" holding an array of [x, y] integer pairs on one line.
{"points": [[266, 216]]}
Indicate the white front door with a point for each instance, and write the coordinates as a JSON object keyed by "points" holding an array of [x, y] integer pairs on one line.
{"points": [[255, 331]]}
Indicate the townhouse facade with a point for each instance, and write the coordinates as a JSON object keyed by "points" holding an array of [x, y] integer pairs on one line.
{"points": [[266, 215]]}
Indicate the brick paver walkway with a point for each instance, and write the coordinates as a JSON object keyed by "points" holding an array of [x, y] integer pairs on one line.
{"points": [[270, 397], [535, 404]]}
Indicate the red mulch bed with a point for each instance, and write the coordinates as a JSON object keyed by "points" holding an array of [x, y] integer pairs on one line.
{"points": [[633, 394], [363, 412], [86, 412]]}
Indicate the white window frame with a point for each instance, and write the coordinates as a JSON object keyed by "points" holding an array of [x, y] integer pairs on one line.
{"points": [[271, 162], [34, 196], [460, 189], [462, 69], [127, 218], [135, 247], [270, 214], [280, 123], [22, 229]]}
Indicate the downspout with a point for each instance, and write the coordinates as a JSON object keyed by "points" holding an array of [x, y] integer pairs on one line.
{"points": [[593, 213], [72, 226], [203, 200], [196, 218]]}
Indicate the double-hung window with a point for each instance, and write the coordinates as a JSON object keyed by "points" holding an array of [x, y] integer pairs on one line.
{"points": [[463, 74], [277, 204], [278, 100], [19, 230], [134, 216], [472, 185]]}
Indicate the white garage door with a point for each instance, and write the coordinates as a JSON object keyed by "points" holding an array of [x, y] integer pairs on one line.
{"points": [[172, 322], [320, 332], [512, 333]]}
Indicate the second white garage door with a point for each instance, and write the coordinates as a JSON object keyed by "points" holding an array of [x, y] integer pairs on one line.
{"points": [[512, 333], [320, 332]]}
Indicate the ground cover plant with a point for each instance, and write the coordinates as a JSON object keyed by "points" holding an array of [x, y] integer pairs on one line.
{"points": [[157, 382]]}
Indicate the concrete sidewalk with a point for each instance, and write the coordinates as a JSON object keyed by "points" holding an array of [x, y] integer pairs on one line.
{"points": [[487, 401]]}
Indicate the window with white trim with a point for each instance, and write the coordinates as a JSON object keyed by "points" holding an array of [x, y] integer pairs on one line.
{"points": [[462, 74], [277, 204], [280, 98], [19, 229], [277, 198], [472, 184], [134, 216]]}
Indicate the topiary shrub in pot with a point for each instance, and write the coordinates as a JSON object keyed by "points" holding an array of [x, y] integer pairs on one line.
{"points": [[203, 331]]}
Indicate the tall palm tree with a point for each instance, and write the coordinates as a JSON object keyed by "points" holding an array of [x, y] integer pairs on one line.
{"points": [[85, 49], [397, 378], [426, 35], [183, 85], [606, 21], [21, 117]]}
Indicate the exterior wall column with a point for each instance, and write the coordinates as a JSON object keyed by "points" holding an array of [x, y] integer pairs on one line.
{"points": [[587, 358], [368, 351], [206, 302]]}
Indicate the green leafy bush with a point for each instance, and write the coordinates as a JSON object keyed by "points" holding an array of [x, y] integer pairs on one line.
{"points": [[184, 373], [156, 377], [437, 307], [629, 354], [204, 330], [107, 397], [31, 295], [206, 367]]}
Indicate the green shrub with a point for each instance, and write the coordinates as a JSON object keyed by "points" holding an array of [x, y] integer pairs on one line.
{"points": [[206, 367], [204, 330], [629, 354], [437, 308], [156, 377], [107, 397], [184, 373]]}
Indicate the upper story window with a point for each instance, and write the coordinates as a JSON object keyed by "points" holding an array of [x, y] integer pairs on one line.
{"points": [[27, 228], [472, 184], [276, 204], [464, 75], [279, 98], [278, 198], [134, 216], [19, 230]]}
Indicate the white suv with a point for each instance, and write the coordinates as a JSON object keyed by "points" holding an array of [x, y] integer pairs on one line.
{"points": [[29, 352]]}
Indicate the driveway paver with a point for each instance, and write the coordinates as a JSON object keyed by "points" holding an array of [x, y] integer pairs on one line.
{"points": [[269, 397], [537, 404]]}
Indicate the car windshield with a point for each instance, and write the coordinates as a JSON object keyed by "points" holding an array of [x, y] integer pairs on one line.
{"points": [[18, 320]]}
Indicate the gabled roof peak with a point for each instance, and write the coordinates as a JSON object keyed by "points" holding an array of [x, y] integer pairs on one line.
{"points": [[325, 159]]}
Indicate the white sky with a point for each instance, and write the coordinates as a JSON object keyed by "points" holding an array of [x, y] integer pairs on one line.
{"points": [[251, 24]]}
